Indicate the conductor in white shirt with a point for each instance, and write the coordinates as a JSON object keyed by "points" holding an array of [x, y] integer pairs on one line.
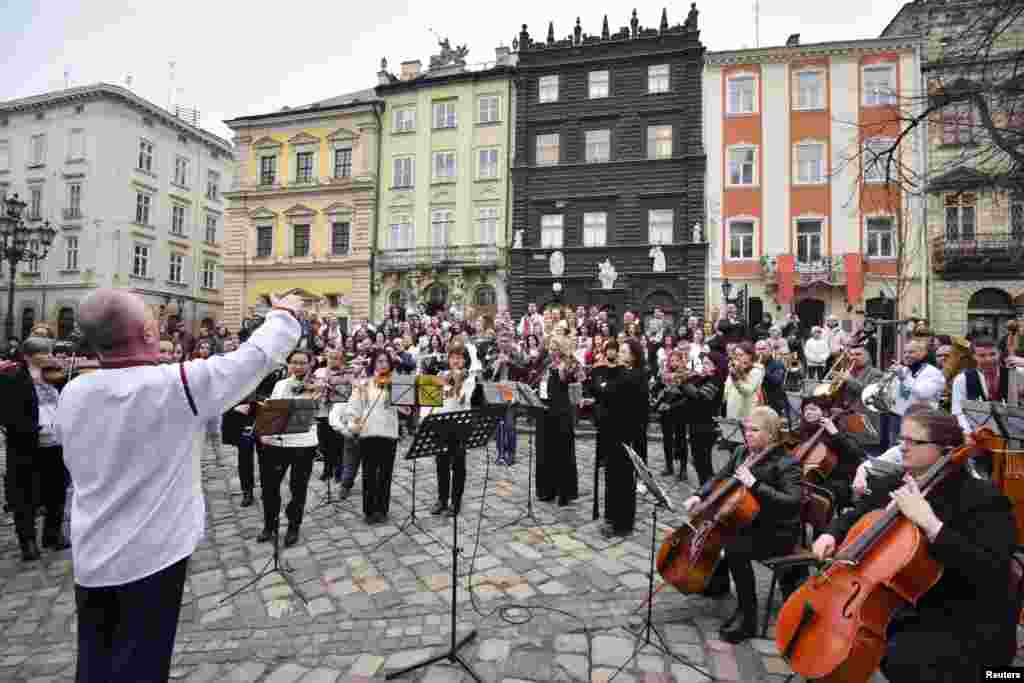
{"points": [[132, 435]]}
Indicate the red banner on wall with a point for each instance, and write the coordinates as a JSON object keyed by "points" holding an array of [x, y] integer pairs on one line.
{"points": [[854, 266], [787, 277]]}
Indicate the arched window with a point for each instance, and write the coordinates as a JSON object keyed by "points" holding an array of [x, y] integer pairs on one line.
{"points": [[65, 322], [437, 297], [485, 296], [28, 320], [988, 311], [400, 298]]}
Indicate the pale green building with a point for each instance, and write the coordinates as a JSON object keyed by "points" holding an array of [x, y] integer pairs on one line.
{"points": [[442, 226]]}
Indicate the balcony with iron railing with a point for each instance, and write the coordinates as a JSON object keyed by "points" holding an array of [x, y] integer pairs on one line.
{"points": [[829, 270], [979, 253], [463, 256], [73, 213]]}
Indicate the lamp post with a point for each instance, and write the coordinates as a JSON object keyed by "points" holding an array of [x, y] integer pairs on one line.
{"points": [[19, 242]]}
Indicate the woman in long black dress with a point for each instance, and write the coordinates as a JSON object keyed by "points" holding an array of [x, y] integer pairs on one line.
{"points": [[556, 462], [629, 396], [603, 378]]}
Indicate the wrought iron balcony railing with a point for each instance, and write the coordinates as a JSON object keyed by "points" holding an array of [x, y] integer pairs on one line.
{"points": [[829, 270], [72, 214], [991, 252], [465, 256]]}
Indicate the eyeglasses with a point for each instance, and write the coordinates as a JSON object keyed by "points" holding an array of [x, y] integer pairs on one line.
{"points": [[907, 441]]}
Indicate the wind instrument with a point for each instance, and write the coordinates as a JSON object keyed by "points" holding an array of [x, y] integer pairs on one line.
{"points": [[877, 397], [959, 358]]}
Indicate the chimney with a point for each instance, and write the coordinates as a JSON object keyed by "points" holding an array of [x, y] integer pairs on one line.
{"points": [[793, 40], [410, 70], [501, 55]]}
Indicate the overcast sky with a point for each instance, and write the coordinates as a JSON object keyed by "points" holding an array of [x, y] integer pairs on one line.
{"points": [[237, 58]]}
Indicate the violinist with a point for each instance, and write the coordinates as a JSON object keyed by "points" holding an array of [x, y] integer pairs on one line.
{"points": [[460, 393], [508, 365], [556, 473], [35, 466], [743, 387], [166, 352], [775, 482], [279, 452], [965, 621], [702, 402], [773, 384], [603, 378], [334, 385], [371, 419], [670, 414]]}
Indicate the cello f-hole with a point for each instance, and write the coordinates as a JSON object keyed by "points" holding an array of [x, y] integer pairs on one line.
{"points": [[853, 596]]}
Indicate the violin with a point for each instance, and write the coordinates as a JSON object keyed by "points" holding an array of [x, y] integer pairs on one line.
{"points": [[833, 628], [54, 373]]}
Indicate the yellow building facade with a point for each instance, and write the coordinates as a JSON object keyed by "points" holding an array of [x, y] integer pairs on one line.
{"points": [[303, 207]]}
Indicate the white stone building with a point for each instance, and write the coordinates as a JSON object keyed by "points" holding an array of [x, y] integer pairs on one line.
{"points": [[134, 192]]}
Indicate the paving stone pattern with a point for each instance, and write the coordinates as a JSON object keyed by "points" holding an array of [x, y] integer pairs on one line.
{"points": [[551, 599]]}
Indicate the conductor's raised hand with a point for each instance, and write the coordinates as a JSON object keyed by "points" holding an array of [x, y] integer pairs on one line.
{"points": [[293, 302]]}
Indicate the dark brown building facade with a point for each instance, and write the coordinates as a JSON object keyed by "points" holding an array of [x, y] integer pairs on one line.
{"points": [[609, 168]]}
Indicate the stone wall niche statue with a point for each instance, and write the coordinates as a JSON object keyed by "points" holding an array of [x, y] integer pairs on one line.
{"points": [[659, 259], [557, 263], [607, 274], [697, 236], [517, 240]]}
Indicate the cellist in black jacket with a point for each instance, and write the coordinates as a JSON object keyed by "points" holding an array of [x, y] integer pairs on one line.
{"points": [[967, 620]]}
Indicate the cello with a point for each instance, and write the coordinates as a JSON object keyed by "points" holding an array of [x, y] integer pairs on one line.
{"points": [[816, 458], [687, 558], [833, 627]]}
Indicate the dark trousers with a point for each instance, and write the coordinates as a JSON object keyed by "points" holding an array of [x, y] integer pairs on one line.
{"points": [[332, 445], [36, 476], [889, 431], [673, 434], [246, 464], [451, 474], [701, 444], [126, 633], [274, 461], [351, 457], [740, 552], [556, 474], [918, 651], [619, 490], [378, 466]]}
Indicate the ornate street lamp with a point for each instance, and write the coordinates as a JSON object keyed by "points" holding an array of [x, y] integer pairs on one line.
{"points": [[18, 243], [726, 290]]}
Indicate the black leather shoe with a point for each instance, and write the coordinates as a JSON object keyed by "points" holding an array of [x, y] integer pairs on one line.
{"points": [[452, 511], [668, 471], [247, 499], [29, 550], [737, 634], [266, 535], [291, 537], [438, 508], [326, 474], [344, 493]]}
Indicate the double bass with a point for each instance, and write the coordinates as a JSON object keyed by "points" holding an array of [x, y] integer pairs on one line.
{"points": [[833, 628], [687, 558]]}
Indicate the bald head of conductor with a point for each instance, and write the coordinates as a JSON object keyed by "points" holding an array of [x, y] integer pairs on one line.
{"points": [[119, 326]]}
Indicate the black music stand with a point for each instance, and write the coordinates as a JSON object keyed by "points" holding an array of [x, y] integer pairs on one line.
{"points": [[1009, 420], [458, 430], [532, 407], [643, 637], [326, 500], [279, 567], [415, 447]]}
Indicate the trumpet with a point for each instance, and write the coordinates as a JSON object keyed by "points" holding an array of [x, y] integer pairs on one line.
{"points": [[877, 397]]}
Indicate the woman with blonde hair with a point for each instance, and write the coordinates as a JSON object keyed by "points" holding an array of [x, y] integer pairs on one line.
{"points": [[556, 461], [743, 386]]}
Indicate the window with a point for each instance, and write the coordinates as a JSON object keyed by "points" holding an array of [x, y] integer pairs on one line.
{"points": [[878, 166], [547, 89], [211, 228], [808, 241], [268, 170], [76, 144], [960, 216], [487, 106], [548, 149], [181, 171], [174, 270], [595, 229], [881, 237], [487, 220], [142, 204], [74, 200], [810, 163], [403, 172], [487, 163], [140, 261], [741, 240], [879, 86], [444, 165], [551, 235], [485, 296], [212, 185], [405, 119], [441, 221], [401, 232], [659, 226], [70, 253], [35, 204], [343, 162], [300, 240], [264, 241], [209, 274], [742, 99], [659, 142], [178, 220], [304, 167], [5, 155], [1017, 221], [657, 78], [810, 90], [340, 238], [32, 265], [145, 156], [743, 166], [444, 114], [958, 124], [37, 149], [597, 84], [598, 146]]}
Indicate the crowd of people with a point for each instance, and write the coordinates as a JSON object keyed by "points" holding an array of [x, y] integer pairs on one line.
{"points": [[701, 382]]}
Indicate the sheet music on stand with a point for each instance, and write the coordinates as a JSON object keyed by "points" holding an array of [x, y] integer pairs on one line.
{"points": [[731, 429], [1007, 420], [645, 476], [286, 416]]}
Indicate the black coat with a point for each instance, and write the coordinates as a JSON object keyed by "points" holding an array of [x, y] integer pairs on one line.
{"points": [[978, 534], [20, 414], [699, 402]]}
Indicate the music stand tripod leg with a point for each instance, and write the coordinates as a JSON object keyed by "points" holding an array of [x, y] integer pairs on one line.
{"points": [[529, 514], [279, 567], [411, 520]]}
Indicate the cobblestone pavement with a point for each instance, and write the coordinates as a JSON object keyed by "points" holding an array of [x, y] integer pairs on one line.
{"points": [[551, 599]]}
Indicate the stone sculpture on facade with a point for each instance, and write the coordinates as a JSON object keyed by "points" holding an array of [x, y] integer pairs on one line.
{"points": [[517, 240], [698, 237], [659, 260], [448, 55], [557, 263], [607, 274]]}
